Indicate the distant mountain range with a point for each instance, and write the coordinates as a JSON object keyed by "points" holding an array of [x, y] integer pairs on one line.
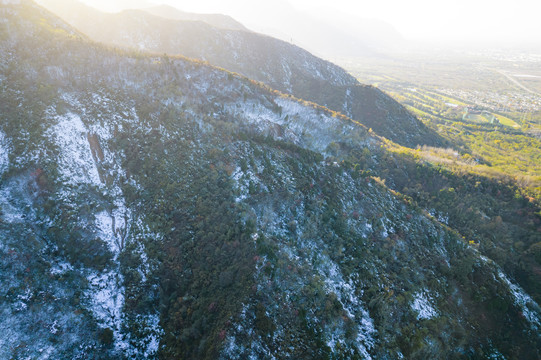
{"points": [[331, 36]]}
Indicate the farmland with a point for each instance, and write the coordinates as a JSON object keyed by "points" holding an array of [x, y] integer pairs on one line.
{"points": [[483, 87], [487, 105]]}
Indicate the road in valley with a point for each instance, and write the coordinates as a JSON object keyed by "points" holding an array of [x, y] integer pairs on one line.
{"points": [[516, 82]]}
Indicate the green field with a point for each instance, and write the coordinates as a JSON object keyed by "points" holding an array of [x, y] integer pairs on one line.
{"points": [[437, 107], [491, 122]]}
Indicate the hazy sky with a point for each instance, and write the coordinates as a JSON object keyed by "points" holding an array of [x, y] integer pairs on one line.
{"points": [[458, 20]]}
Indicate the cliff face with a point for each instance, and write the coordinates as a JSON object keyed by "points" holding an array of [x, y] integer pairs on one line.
{"points": [[161, 207]]}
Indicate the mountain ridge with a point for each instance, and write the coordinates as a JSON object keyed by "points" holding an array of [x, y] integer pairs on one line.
{"points": [[280, 65], [217, 20], [120, 168]]}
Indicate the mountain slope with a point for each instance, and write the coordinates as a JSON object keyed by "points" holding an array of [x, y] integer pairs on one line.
{"points": [[161, 207], [217, 20], [280, 65], [333, 34]]}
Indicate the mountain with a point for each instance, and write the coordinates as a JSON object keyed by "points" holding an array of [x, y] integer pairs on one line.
{"points": [[113, 6], [331, 34], [217, 20], [159, 207], [280, 65]]}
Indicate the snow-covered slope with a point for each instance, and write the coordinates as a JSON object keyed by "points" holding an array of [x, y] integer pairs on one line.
{"points": [[162, 208]]}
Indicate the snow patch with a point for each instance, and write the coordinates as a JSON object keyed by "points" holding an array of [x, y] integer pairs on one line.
{"points": [[148, 341], [4, 153], [421, 304], [155, 332], [8, 212], [105, 297], [244, 180], [46, 353], [114, 225], [530, 309], [16, 201], [144, 268], [75, 159], [53, 329], [444, 219], [104, 222], [345, 293], [61, 268], [22, 300]]}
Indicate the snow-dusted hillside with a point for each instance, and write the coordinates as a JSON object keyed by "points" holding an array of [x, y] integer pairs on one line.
{"points": [[162, 208], [280, 65]]}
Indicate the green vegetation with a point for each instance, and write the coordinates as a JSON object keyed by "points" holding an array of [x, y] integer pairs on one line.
{"points": [[487, 183], [491, 125], [242, 238]]}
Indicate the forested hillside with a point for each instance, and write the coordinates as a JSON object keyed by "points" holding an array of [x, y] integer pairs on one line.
{"points": [[160, 207]]}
